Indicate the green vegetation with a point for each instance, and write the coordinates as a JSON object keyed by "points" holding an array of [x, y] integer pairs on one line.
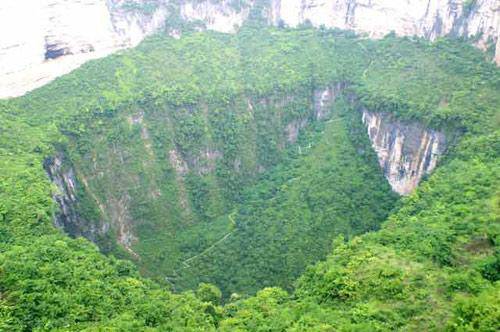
{"points": [[288, 219], [146, 7], [136, 128], [469, 6]]}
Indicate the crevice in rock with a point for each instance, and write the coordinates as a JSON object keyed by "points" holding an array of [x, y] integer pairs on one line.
{"points": [[54, 51]]}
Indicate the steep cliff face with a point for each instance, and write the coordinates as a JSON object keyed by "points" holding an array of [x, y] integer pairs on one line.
{"points": [[45, 39], [67, 217], [65, 196], [152, 176], [221, 16], [406, 151], [425, 18], [81, 212], [61, 35]]}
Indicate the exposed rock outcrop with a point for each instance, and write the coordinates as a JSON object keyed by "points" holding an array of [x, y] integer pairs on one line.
{"points": [[47, 39], [216, 16], [406, 151], [61, 35], [425, 18], [113, 214], [67, 217]]}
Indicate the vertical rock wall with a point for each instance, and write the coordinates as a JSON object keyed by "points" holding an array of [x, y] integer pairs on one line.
{"points": [[219, 16], [113, 214], [66, 197], [425, 18], [41, 40], [406, 151]]}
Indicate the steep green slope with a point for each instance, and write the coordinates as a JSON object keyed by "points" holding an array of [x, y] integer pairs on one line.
{"points": [[163, 173], [433, 265], [158, 153], [169, 168], [330, 185]]}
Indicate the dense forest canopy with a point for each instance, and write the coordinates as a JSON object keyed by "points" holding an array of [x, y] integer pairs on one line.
{"points": [[429, 261]]}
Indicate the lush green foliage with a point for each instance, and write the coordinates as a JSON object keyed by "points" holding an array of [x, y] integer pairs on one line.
{"points": [[432, 266], [329, 185], [56, 283]]}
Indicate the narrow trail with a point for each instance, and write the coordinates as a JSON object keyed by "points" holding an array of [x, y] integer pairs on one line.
{"points": [[233, 225], [185, 264]]}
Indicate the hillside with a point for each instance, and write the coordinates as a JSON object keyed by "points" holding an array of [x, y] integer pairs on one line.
{"points": [[207, 159]]}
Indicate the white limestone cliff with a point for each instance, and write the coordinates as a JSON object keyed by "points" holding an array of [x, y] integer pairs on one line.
{"points": [[406, 151], [425, 18], [220, 16], [43, 39]]}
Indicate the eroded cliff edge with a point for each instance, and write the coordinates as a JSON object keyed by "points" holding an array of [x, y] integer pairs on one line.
{"points": [[62, 35], [425, 18], [407, 151], [42, 40]]}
